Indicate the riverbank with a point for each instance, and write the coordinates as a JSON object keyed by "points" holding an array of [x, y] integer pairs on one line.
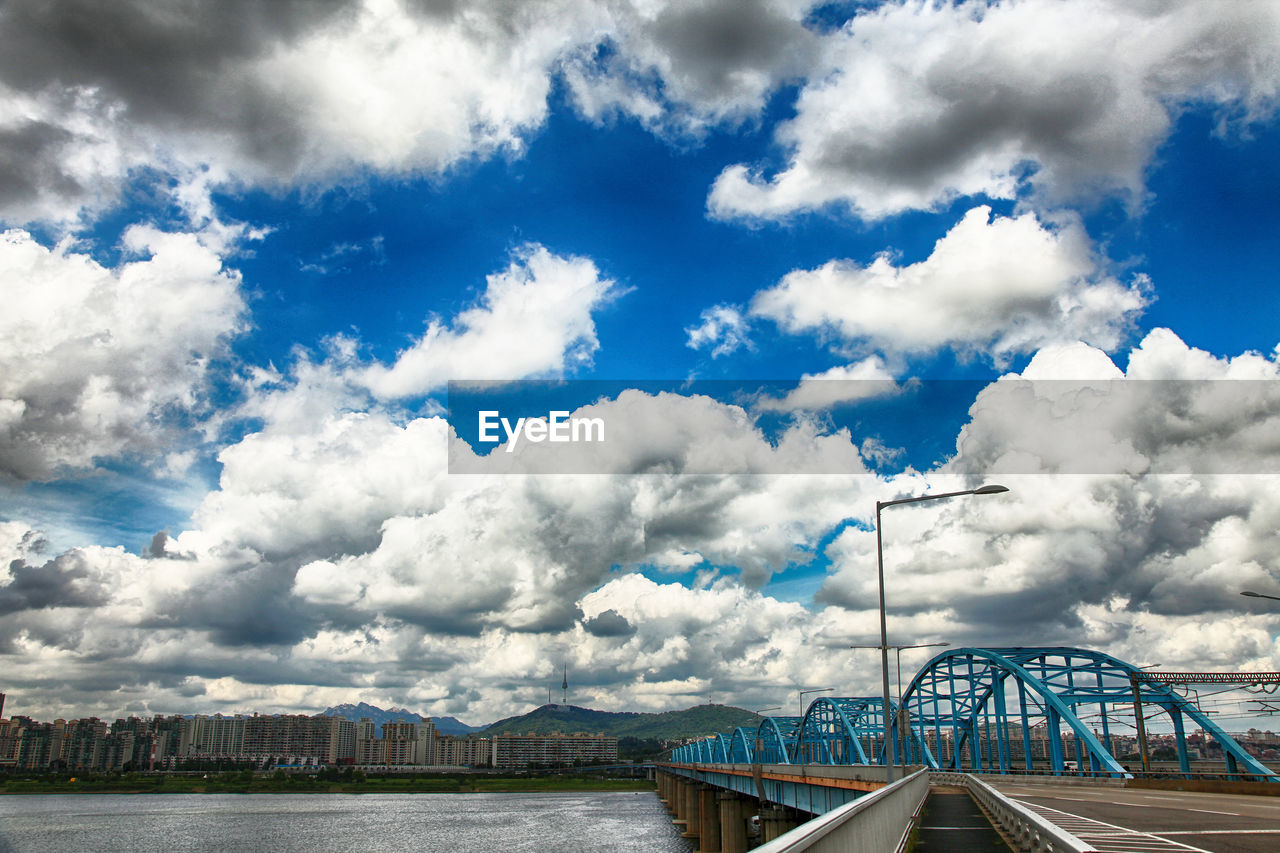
{"points": [[281, 783]]}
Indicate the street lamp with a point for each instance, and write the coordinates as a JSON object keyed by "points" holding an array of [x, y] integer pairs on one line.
{"points": [[990, 489], [902, 712], [760, 713], [800, 699], [1260, 595]]}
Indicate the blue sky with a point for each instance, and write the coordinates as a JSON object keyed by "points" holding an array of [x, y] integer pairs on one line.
{"points": [[247, 251]]}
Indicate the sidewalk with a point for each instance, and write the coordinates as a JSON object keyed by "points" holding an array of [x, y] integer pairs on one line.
{"points": [[952, 821]]}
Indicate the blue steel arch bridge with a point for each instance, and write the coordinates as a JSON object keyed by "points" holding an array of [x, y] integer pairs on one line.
{"points": [[979, 710]]}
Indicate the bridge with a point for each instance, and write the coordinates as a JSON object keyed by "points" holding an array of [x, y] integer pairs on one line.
{"points": [[971, 722]]}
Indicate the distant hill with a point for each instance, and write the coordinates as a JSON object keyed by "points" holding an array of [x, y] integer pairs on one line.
{"points": [[669, 725], [444, 725]]}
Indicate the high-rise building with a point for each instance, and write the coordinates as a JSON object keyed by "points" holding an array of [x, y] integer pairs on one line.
{"points": [[513, 750]]}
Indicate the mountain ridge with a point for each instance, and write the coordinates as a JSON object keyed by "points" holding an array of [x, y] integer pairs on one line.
{"points": [[444, 725]]}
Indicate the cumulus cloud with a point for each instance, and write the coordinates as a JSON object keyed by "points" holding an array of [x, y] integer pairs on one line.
{"points": [[346, 560], [97, 361], [723, 328], [314, 93], [534, 319], [841, 385], [916, 104], [999, 285], [1177, 410], [684, 66], [1107, 539]]}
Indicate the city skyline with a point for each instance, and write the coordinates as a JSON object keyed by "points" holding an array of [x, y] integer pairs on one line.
{"points": [[790, 256]]}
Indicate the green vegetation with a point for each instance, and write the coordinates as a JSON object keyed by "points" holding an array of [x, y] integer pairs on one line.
{"points": [[667, 726], [328, 781]]}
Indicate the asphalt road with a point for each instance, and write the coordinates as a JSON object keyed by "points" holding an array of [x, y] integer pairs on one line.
{"points": [[1134, 819]]}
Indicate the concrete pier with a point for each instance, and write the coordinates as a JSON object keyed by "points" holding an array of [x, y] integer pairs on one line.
{"points": [[733, 822], [709, 823], [692, 810]]}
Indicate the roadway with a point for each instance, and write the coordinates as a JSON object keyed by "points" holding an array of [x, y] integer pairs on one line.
{"points": [[1137, 820]]}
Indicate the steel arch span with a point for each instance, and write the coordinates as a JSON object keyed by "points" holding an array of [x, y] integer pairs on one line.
{"points": [[776, 739], [994, 709]]}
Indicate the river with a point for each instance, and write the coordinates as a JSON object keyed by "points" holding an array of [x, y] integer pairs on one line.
{"points": [[315, 823]]}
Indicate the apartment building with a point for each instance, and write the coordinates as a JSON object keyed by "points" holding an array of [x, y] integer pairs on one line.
{"points": [[512, 750]]}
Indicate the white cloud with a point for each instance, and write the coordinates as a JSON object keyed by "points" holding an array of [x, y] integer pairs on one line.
{"points": [[1178, 410], [1001, 285], [837, 386], [314, 94], [533, 320], [919, 103], [681, 66], [723, 328], [95, 362], [345, 560], [1140, 507]]}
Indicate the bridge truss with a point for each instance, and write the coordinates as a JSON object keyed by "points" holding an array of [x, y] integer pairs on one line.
{"points": [[995, 710]]}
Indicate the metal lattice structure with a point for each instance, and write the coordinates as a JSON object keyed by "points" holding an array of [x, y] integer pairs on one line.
{"points": [[994, 709], [998, 710], [839, 730], [776, 739]]}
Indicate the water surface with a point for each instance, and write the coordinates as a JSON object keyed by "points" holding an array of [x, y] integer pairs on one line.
{"points": [[313, 823]]}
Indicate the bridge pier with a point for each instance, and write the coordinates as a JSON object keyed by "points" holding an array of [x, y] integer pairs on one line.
{"points": [[733, 822], [776, 821], [709, 820], [692, 811]]}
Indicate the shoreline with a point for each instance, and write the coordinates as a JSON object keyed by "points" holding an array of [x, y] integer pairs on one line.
{"points": [[178, 785]]}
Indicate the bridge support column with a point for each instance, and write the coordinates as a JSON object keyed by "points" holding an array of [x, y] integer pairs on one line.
{"points": [[733, 823], [708, 820], [775, 821], [678, 799], [693, 822]]}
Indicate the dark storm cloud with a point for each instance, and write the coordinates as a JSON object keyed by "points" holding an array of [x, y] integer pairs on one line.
{"points": [[30, 162], [161, 58], [978, 115], [610, 623], [711, 41], [64, 581], [249, 607], [174, 67]]}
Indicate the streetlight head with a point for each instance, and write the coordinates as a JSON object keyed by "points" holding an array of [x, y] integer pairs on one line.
{"points": [[990, 489], [1251, 594]]}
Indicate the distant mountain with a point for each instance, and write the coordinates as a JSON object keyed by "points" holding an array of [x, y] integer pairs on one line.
{"points": [[453, 726], [669, 725], [444, 725]]}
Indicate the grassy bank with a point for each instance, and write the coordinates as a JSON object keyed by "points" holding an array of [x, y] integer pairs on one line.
{"points": [[244, 782]]}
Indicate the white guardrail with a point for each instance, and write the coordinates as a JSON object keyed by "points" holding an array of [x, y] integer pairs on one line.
{"points": [[882, 821], [876, 823], [1028, 830]]}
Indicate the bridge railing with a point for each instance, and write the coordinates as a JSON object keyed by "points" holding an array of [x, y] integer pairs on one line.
{"points": [[879, 822], [1031, 831]]}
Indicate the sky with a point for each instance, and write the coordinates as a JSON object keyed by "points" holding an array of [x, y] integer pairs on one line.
{"points": [[264, 265]]}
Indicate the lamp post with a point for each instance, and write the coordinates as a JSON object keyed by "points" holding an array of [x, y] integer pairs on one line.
{"points": [[757, 744], [800, 698], [1259, 595], [902, 712], [800, 706], [990, 489]]}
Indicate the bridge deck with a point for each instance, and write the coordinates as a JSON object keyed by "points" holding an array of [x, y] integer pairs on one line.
{"points": [[1137, 819], [952, 821]]}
